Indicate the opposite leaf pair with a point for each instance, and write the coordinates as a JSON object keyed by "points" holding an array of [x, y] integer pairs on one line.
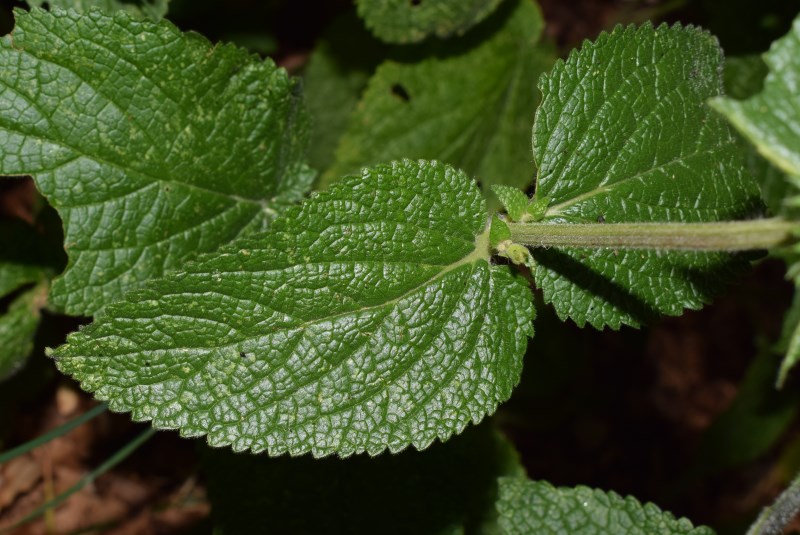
{"points": [[369, 317]]}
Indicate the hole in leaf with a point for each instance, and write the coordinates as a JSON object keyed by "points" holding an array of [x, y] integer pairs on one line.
{"points": [[400, 92]]}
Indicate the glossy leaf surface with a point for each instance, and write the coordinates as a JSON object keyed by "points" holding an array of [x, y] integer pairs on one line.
{"points": [[152, 144], [366, 319], [537, 507], [624, 134]]}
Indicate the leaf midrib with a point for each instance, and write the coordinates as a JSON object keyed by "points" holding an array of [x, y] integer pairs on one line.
{"points": [[480, 252], [557, 209]]}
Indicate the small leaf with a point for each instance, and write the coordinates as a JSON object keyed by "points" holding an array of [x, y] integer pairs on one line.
{"points": [[771, 119], [527, 507], [468, 103], [518, 254], [789, 342], [498, 232], [624, 135], [336, 76], [408, 21], [513, 201], [367, 318], [538, 207], [153, 9], [179, 148], [18, 327], [361, 495]]}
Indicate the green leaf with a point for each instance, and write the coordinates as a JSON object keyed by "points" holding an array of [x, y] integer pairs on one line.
{"points": [[754, 422], [527, 507], [513, 201], [336, 75], [180, 147], [408, 21], [450, 488], [538, 207], [498, 232], [743, 78], [14, 275], [789, 343], [468, 103], [624, 135], [771, 119], [18, 327], [153, 9], [367, 318]]}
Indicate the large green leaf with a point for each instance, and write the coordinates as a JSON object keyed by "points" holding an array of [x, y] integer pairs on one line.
{"points": [[336, 75], [528, 507], [771, 119], [154, 9], [18, 327], [152, 144], [407, 21], [367, 318], [448, 489], [469, 103], [624, 135]]}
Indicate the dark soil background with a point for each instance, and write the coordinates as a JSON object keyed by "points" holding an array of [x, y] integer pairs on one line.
{"points": [[660, 413]]}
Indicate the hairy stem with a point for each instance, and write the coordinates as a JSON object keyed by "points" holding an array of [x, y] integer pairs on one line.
{"points": [[725, 236], [776, 517]]}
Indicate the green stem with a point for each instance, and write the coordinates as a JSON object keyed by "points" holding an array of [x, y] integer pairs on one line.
{"points": [[725, 236], [777, 516], [107, 465], [53, 433]]}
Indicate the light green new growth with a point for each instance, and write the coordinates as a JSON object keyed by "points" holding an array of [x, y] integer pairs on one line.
{"points": [[537, 208], [528, 507], [366, 319], [468, 103], [408, 21], [498, 232], [152, 144], [624, 135], [514, 202], [153, 9]]}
